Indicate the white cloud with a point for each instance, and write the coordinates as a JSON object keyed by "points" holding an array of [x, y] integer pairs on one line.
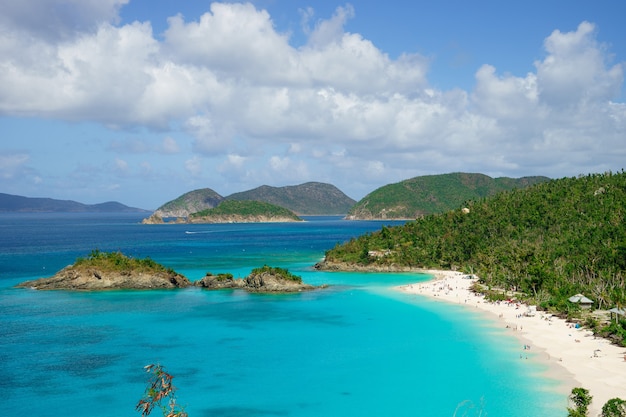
{"points": [[121, 167], [244, 94], [279, 164], [169, 146], [12, 163], [575, 71], [328, 31], [194, 166], [232, 40]]}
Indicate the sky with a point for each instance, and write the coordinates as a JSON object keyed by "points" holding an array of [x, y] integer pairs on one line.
{"points": [[140, 101]]}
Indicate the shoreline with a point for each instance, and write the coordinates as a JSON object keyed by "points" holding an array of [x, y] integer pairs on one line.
{"points": [[574, 356]]}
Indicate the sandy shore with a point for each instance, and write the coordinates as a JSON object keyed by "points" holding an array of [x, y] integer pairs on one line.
{"points": [[576, 357]]}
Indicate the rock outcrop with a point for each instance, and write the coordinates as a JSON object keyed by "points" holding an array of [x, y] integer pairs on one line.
{"points": [[262, 280], [157, 219], [90, 279], [219, 282], [354, 267], [271, 282]]}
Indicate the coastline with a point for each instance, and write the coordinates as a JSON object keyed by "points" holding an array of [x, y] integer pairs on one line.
{"points": [[575, 357]]}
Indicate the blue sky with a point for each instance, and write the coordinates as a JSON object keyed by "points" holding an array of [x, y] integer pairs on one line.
{"points": [[140, 101]]}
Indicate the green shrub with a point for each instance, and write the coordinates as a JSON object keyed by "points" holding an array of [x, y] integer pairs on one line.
{"points": [[282, 272]]}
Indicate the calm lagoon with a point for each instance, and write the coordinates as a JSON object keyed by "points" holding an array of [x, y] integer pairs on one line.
{"points": [[355, 348]]}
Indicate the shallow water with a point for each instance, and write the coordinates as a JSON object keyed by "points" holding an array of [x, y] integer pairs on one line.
{"points": [[356, 348]]}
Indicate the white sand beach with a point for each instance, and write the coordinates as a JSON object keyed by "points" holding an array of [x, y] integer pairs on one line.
{"points": [[576, 357]]}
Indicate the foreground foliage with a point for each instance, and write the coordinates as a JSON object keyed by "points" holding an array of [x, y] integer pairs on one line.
{"points": [[548, 241], [581, 399], [159, 390], [615, 407]]}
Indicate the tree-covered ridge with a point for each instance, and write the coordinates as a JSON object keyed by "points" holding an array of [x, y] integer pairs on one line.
{"points": [[429, 194], [549, 241], [311, 198], [245, 208]]}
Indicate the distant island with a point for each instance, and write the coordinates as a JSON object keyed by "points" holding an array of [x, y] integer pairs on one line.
{"points": [[116, 271], [233, 211], [430, 194], [20, 204], [308, 199], [405, 200]]}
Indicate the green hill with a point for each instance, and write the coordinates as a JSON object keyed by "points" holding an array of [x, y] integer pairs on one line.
{"points": [[548, 241], [311, 198], [188, 203], [234, 211], [419, 196]]}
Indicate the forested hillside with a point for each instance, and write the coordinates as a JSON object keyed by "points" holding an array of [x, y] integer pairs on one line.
{"points": [[429, 194], [311, 198], [549, 241]]}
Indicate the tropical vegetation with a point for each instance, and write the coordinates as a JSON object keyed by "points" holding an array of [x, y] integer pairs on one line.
{"points": [[429, 194], [245, 209], [311, 198], [546, 243], [277, 271], [581, 400], [118, 262]]}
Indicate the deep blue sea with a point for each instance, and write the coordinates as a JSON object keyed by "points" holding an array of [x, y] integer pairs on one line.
{"points": [[358, 348]]}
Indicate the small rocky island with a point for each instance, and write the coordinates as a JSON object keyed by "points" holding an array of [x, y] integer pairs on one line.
{"points": [[234, 211], [110, 271], [115, 271], [264, 279]]}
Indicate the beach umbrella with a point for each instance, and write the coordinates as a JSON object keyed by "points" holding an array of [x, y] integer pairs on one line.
{"points": [[580, 299]]}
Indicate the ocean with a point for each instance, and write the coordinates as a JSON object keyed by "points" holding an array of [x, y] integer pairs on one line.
{"points": [[356, 348]]}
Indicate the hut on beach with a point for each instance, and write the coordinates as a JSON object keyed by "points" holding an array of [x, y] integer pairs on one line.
{"points": [[618, 312], [581, 300]]}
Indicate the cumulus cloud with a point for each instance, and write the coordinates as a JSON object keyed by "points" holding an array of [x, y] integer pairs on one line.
{"points": [[246, 96], [575, 71], [194, 166], [327, 31], [169, 146], [12, 163]]}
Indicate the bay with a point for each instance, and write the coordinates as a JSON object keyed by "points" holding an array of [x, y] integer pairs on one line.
{"points": [[356, 348]]}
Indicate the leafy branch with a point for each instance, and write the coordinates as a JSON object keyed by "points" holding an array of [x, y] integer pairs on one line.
{"points": [[159, 389]]}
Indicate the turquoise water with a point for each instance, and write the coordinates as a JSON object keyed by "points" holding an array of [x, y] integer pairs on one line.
{"points": [[356, 348]]}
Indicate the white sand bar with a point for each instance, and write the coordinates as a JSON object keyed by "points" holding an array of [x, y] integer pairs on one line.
{"points": [[584, 360]]}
